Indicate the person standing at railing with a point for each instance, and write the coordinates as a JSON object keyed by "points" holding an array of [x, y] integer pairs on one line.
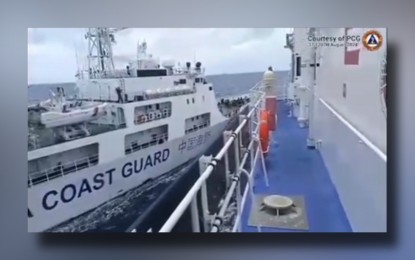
{"points": [[119, 94]]}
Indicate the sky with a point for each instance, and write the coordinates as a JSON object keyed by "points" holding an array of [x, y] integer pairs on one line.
{"points": [[53, 52]]}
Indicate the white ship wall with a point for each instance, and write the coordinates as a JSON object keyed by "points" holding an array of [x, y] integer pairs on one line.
{"points": [[282, 89], [357, 168], [363, 104], [357, 172], [97, 185]]}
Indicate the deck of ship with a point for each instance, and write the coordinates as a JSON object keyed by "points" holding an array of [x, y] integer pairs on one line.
{"points": [[295, 170]]}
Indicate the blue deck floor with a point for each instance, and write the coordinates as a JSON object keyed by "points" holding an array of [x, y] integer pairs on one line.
{"points": [[294, 170]]}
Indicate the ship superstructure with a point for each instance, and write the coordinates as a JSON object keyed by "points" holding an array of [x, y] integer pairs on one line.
{"points": [[124, 126]]}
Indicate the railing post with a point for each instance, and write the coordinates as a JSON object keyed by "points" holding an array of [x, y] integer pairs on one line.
{"points": [[251, 152], [226, 136], [257, 136], [240, 141], [264, 169], [258, 123], [207, 165], [248, 126], [195, 215], [237, 163], [203, 163]]}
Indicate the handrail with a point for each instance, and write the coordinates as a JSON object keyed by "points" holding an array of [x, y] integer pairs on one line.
{"points": [[362, 137], [158, 137], [230, 191], [181, 208], [243, 200], [93, 131], [189, 197]]}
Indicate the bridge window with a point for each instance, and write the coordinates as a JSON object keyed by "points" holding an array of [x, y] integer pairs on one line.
{"points": [[147, 113], [151, 73]]}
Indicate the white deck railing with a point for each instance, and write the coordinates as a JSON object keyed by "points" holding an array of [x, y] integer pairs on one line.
{"points": [[251, 119]]}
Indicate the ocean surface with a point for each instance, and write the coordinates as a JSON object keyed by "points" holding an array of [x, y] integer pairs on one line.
{"points": [[137, 206]]}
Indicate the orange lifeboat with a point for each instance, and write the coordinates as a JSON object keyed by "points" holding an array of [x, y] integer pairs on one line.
{"points": [[264, 131]]}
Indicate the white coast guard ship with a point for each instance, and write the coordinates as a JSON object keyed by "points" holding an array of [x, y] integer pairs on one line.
{"points": [[123, 128]]}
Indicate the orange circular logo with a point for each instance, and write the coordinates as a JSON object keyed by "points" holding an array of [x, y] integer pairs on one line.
{"points": [[372, 40]]}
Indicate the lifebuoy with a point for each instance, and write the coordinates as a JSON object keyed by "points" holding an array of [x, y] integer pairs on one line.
{"points": [[264, 131]]}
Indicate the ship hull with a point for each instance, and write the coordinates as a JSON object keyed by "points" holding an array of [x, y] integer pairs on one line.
{"points": [[59, 201], [160, 210]]}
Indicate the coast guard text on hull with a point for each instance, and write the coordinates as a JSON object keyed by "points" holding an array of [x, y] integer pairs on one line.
{"points": [[72, 191]]}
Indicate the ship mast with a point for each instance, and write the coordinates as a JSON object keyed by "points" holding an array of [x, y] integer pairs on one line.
{"points": [[100, 59]]}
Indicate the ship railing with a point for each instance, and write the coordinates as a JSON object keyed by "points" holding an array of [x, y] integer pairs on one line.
{"points": [[60, 170], [94, 128], [138, 96], [157, 139], [234, 140], [197, 127]]}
